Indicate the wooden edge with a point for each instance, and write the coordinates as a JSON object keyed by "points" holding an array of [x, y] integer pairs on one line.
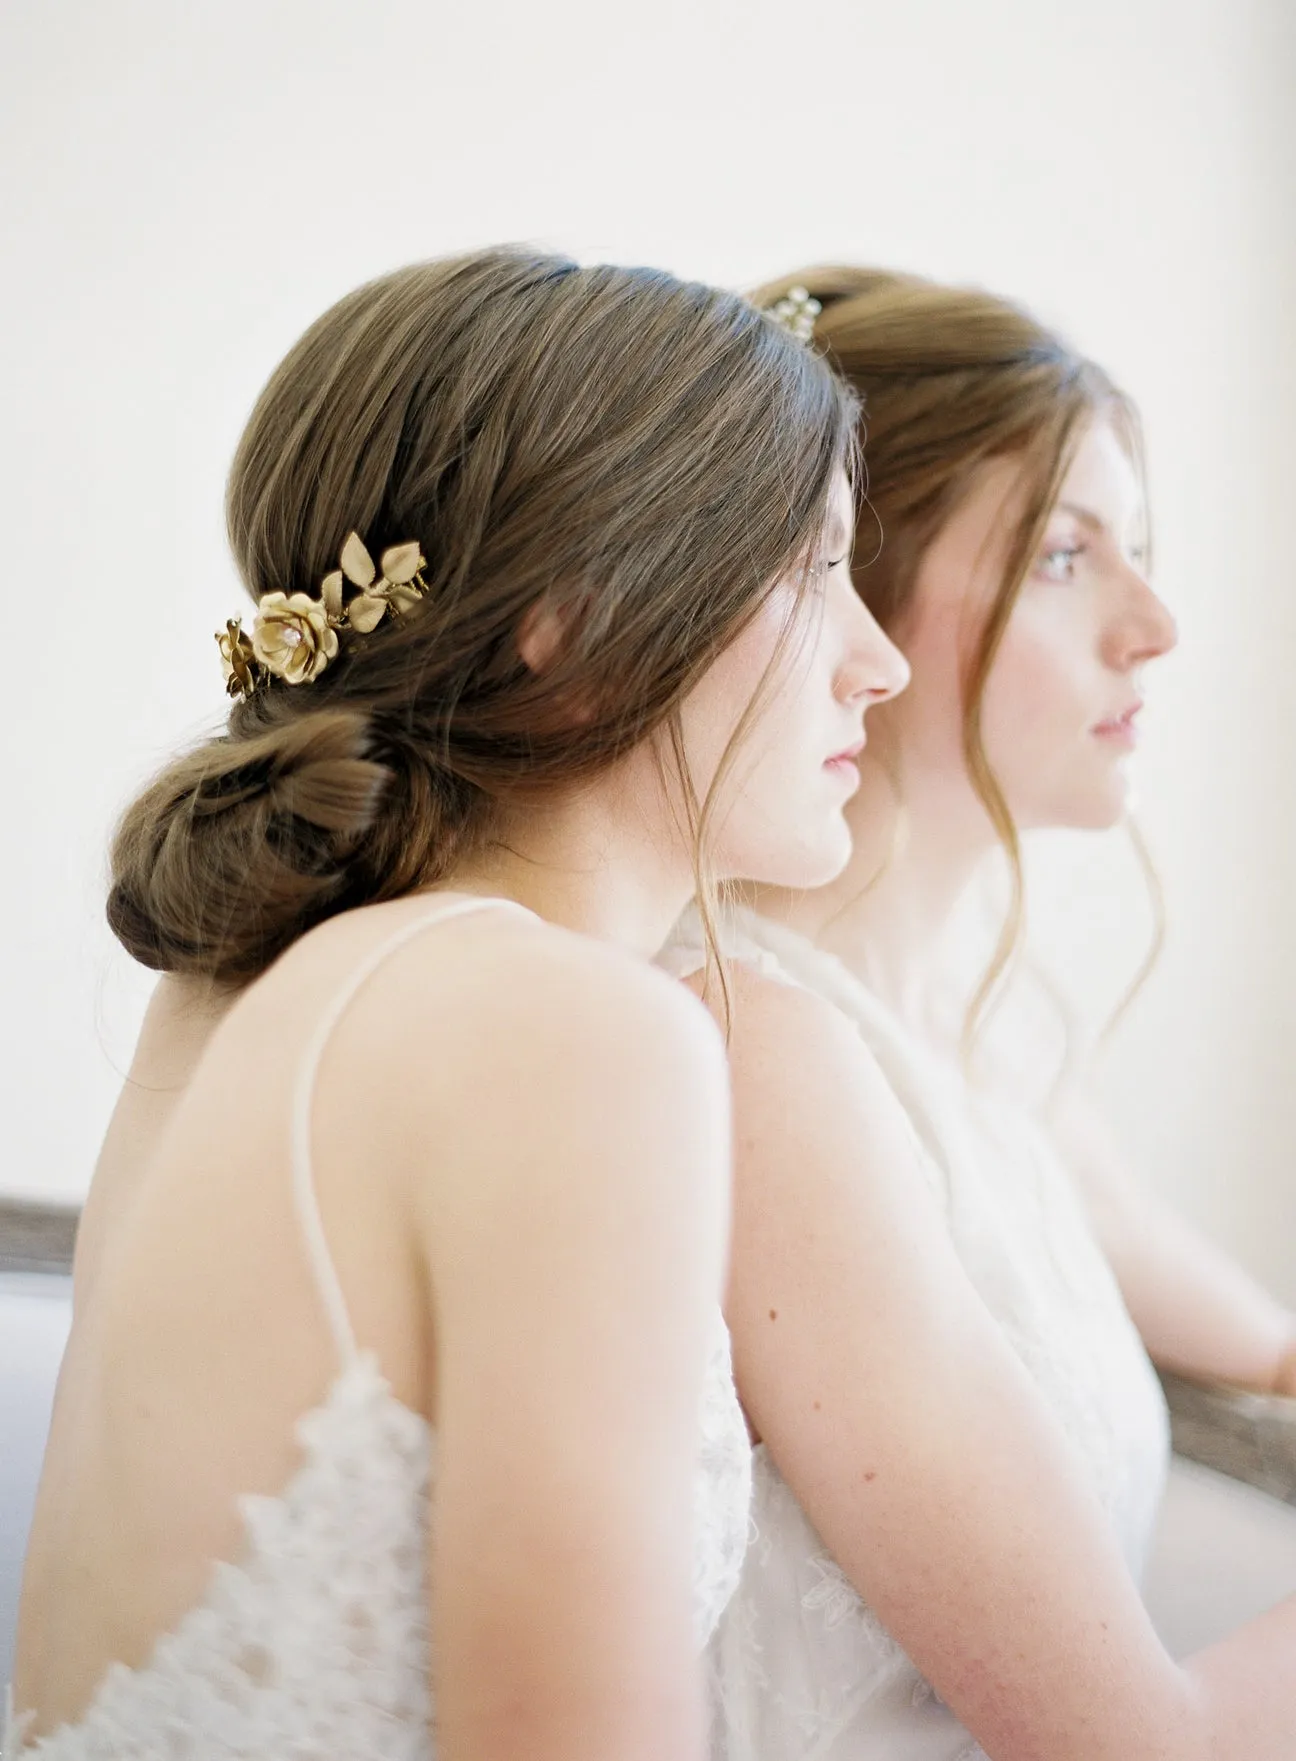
{"points": [[36, 1236], [1248, 1436]]}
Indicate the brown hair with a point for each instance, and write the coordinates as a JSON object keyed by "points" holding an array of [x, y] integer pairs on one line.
{"points": [[643, 455], [950, 378]]}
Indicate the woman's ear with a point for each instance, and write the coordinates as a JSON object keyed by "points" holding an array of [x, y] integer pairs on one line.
{"points": [[540, 636], [543, 635]]}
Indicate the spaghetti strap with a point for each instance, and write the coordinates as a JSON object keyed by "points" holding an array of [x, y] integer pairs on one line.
{"points": [[303, 1179]]}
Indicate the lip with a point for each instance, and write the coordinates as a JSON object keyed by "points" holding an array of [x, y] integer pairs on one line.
{"points": [[846, 756], [1120, 728]]}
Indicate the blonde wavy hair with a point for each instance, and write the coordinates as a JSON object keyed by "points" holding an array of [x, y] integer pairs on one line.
{"points": [[950, 378]]}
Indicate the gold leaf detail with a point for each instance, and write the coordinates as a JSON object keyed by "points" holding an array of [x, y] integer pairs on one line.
{"points": [[357, 564], [331, 593], [403, 599], [237, 659], [401, 563], [366, 612]]}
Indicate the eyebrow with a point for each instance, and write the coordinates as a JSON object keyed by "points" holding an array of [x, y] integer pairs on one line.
{"points": [[1095, 523], [1086, 516]]}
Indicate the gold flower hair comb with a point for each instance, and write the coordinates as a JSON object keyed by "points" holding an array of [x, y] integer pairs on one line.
{"points": [[795, 313], [294, 637]]}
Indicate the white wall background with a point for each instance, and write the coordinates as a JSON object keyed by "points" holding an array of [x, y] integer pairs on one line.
{"points": [[185, 187]]}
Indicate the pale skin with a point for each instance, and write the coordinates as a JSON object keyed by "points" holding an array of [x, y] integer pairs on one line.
{"points": [[535, 1274], [885, 1391], [1082, 635]]}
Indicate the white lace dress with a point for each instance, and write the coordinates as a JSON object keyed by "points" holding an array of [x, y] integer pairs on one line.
{"points": [[804, 1671], [314, 1646]]}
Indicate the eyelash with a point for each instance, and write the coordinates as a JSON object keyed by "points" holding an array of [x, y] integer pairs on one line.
{"points": [[1070, 551], [825, 569]]}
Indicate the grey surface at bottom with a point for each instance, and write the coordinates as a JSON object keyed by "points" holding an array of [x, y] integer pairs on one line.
{"points": [[1223, 1554], [35, 1313]]}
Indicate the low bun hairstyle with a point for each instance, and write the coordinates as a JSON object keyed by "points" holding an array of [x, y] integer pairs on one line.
{"points": [[644, 456], [949, 378]]}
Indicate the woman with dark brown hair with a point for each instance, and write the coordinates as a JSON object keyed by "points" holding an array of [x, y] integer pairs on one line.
{"points": [[395, 1305], [942, 1302]]}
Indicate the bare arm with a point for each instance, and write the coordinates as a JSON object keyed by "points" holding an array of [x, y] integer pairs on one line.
{"points": [[575, 1236], [1198, 1312], [920, 1449]]}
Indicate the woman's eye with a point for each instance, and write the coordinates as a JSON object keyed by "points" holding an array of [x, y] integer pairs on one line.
{"points": [[823, 570], [1059, 564]]}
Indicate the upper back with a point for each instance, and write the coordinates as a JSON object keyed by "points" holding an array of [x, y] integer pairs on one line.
{"points": [[180, 1018], [277, 1227]]}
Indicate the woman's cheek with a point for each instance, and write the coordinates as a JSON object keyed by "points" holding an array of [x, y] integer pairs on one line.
{"points": [[1033, 687]]}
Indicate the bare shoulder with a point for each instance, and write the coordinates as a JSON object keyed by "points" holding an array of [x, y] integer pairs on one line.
{"points": [[526, 1055], [449, 979], [795, 1056], [561, 998], [554, 1112]]}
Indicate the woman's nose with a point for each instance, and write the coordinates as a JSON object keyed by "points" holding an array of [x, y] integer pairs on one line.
{"points": [[875, 669], [1146, 628], [879, 666]]}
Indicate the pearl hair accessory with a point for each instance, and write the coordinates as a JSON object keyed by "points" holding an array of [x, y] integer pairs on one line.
{"points": [[795, 313], [294, 637]]}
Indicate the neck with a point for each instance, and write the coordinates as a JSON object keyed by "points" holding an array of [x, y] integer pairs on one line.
{"points": [[595, 860], [888, 915]]}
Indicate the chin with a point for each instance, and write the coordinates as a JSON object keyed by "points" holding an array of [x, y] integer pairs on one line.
{"points": [[814, 866], [807, 862]]}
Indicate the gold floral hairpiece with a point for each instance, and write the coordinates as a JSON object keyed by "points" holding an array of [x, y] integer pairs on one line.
{"points": [[294, 637], [795, 313]]}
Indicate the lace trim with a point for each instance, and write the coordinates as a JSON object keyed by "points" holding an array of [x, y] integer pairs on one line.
{"points": [[722, 1501], [13, 1729], [319, 1636]]}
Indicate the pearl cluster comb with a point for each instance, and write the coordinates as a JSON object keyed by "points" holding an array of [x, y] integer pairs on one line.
{"points": [[795, 313], [294, 637]]}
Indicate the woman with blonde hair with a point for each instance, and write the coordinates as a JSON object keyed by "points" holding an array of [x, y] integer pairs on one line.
{"points": [[942, 1303], [396, 1300]]}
